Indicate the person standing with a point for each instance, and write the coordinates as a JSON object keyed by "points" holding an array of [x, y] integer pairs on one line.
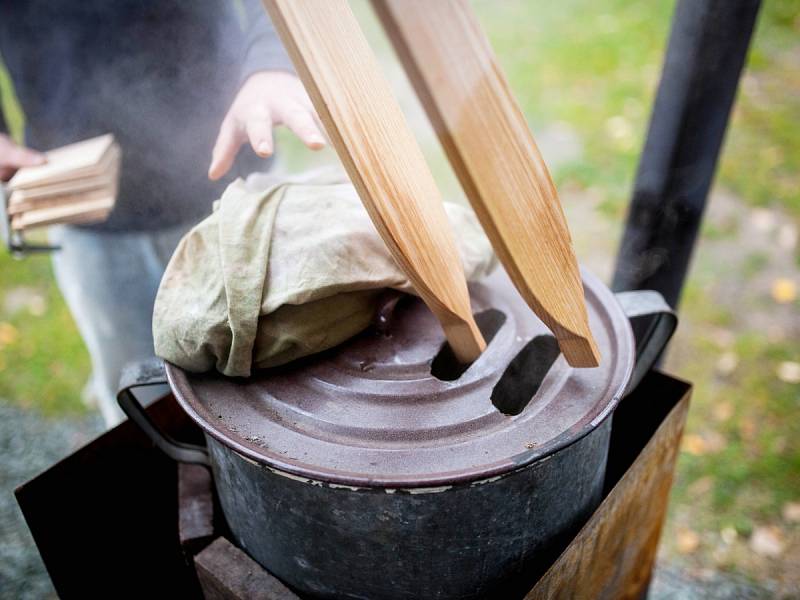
{"points": [[160, 75]]}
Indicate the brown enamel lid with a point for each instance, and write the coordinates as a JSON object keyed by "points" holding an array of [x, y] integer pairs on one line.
{"points": [[371, 413]]}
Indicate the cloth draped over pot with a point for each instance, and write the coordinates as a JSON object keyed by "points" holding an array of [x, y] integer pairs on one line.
{"points": [[282, 270]]}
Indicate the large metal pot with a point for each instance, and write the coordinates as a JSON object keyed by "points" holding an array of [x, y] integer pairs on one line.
{"points": [[359, 474]]}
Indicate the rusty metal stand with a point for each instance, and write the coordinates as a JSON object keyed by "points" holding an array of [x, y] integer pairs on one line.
{"points": [[129, 522]]}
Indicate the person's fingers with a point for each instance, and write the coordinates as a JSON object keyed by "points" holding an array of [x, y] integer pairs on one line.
{"points": [[301, 121], [13, 156], [6, 173], [259, 132], [18, 156], [229, 140]]}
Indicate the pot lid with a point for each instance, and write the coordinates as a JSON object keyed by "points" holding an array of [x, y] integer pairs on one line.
{"points": [[370, 412]]}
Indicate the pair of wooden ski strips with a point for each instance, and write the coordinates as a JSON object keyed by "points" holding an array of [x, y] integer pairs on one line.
{"points": [[487, 140]]}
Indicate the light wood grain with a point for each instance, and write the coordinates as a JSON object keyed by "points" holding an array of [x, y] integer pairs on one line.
{"points": [[227, 573], [459, 81], [17, 206], [381, 156], [66, 163], [87, 211], [30, 197]]}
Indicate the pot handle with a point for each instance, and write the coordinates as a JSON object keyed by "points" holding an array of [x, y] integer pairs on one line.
{"points": [[652, 338], [151, 372]]}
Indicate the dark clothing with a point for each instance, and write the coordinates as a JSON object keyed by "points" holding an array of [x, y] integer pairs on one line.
{"points": [[158, 74]]}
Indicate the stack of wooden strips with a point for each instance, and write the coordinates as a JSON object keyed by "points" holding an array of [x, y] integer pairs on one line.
{"points": [[77, 184]]}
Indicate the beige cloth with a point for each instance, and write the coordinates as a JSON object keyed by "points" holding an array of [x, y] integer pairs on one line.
{"points": [[280, 272]]}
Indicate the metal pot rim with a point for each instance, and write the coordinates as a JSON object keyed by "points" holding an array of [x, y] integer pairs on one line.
{"points": [[212, 426]]}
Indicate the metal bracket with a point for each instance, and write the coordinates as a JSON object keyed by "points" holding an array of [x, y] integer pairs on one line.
{"points": [[15, 240], [652, 337]]}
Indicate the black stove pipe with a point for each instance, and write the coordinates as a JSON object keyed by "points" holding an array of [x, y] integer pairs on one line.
{"points": [[707, 49]]}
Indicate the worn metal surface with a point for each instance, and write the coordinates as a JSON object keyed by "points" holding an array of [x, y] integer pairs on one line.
{"points": [[105, 518], [379, 471], [707, 50], [612, 557], [14, 240], [112, 493], [371, 413], [486, 539]]}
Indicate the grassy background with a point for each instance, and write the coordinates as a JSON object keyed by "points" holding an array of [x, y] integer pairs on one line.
{"points": [[590, 68]]}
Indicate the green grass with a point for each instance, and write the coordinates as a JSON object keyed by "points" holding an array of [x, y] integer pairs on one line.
{"points": [[43, 363], [755, 467], [591, 65], [9, 104]]}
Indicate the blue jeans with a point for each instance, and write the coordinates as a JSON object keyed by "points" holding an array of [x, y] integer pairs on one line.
{"points": [[109, 281]]}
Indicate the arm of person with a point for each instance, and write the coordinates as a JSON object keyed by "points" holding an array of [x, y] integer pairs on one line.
{"points": [[271, 95]]}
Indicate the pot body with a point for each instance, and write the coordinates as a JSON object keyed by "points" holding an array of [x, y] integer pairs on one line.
{"points": [[362, 473], [479, 539]]}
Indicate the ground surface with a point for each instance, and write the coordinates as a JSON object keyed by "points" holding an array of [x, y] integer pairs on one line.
{"points": [[585, 72]]}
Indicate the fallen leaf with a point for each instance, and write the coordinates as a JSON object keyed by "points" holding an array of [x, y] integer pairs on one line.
{"points": [[789, 372], [708, 442], [791, 512], [784, 290], [715, 441], [8, 334], [722, 411], [687, 541], [767, 541], [727, 363], [694, 444]]}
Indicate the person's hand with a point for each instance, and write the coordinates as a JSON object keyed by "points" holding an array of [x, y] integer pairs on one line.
{"points": [[13, 156], [267, 99]]}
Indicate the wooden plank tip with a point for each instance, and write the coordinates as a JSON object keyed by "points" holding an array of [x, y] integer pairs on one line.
{"points": [[580, 352], [465, 339]]}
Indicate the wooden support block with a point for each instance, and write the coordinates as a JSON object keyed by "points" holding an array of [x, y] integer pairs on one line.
{"points": [[227, 573], [381, 156], [487, 140], [195, 508]]}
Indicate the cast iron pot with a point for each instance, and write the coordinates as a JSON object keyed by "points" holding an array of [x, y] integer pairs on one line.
{"points": [[358, 473]]}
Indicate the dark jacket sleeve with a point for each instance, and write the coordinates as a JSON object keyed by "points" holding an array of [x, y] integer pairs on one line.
{"points": [[263, 49]]}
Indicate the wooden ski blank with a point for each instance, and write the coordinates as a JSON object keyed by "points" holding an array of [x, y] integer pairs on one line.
{"points": [[487, 140], [376, 146]]}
